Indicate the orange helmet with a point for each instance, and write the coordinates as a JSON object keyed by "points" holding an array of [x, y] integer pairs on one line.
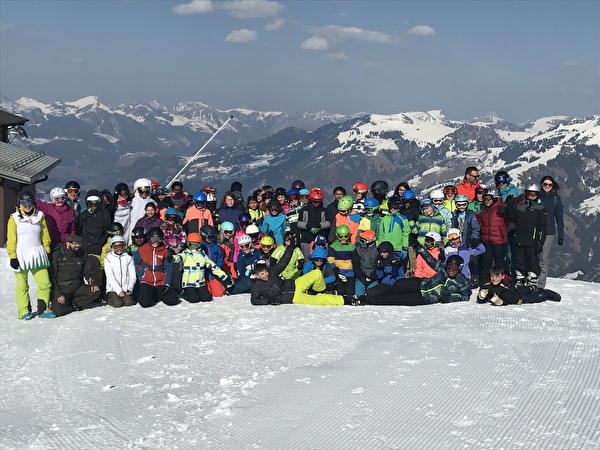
{"points": [[194, 237]]}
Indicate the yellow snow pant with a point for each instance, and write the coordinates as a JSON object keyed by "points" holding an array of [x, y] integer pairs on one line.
{"points": [[42, 280], [314, 279]]}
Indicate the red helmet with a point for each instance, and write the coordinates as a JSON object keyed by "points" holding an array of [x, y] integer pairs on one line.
{"points": [[206, 189], [360, 187], [154, 184], [315, 194]]}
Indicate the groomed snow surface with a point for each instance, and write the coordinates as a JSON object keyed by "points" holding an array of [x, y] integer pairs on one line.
{"points": [[229, 375]]}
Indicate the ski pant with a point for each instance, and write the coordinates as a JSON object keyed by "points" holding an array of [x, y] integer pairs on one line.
{"points": [[411, 262], [405, 292], [77, 296], [151, 295], [510, 258], [493, 256], [314, 280], [475, 270], [537, 296], [544, 257], [197, 294], [305, 247], [360, 288], [242, 285], [346, 288], [116, 301], [527, 260], [23, 300], [215, 287]]}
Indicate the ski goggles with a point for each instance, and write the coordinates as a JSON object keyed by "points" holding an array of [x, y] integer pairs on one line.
{"points": [[266, 248], [501, 180], [344, 237], [26, 202], [60, 198], [160, 191], [371, 209], [155, 239], [118, 246], [362, 240], [453, 236], [144, 190], [72, 191], [171, 217], [93, 202], [437, 201], [194, 245], [228, 231], [344, 211], [200, 204], [245, 246], [462, 204]]}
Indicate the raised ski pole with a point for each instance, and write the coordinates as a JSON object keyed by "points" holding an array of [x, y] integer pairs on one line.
{"points": [[191, 160]]}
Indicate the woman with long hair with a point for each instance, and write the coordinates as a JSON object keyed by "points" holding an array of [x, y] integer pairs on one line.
{"points": [[556, 226]]}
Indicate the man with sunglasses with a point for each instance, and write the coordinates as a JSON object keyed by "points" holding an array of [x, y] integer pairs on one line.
{"points": [[60, 218], [469, 183]]}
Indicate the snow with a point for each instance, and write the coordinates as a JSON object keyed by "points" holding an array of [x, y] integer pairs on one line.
{"points": [[590, 206], [108, 137], [230, 375]]}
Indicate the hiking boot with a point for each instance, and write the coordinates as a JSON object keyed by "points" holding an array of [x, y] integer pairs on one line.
{"points": [[27, 316], [47, 314]]}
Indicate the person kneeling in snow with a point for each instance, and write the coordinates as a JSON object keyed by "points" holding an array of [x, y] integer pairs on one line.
{"points": [[502, 291], [194, 262], [120, 274], [270, 289]]}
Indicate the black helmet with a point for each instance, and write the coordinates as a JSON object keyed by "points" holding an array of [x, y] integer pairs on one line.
{"points": [[379, 187], [394, 202], [138, 232], [26, 198], [114, 228], [72, 185], [280, 191], [456, 260], [502, 177], [298, 184], [208, 230], [121, 187], [155, 235]]}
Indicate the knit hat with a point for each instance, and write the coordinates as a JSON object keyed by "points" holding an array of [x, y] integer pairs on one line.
{"points": [[74, 239], [236, 186]]}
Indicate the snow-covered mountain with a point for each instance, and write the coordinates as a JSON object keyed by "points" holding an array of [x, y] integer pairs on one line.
{"points": [[424, 148]]}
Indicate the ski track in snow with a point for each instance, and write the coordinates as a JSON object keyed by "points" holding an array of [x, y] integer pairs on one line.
{"points": [[229, 375]]}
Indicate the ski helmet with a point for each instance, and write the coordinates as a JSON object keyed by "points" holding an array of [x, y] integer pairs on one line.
{"points": [[160, 190], [251, 229], [207, 231], [280, 191], [57, 192], [288, 235], [244, 218], [194, 238], [200, 198], [342, 231], [298, 184], [455, 260], [292, 192], [379, 188], [208, 189], [138, 232], [117, 239], [436, 194], [320, 241], [155, 235], [267, 242], [154, 184], [121, 188], [425, 203], [360, 187], [491, 193], [367, 237], [244, 239], [114, 228], [533, 188], [227, 226], [408, 195], [461, 198], [318, 253], [211, 197], [315, 194], [345, 203], [394, 202], [433, 235], [72, 185], [26, 198], [453, 233], [171, 212], [502, 177]]}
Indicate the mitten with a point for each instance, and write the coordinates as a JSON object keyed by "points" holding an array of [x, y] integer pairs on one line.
{"points": [[496, 300], [14, 263], [402, 254], [342, 278], [473, 242], [483, 293]]}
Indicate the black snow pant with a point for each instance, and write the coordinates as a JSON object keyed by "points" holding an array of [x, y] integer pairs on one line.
{"points": [[527, 260], [78, 296], [197, 294], [151, 295], [493, 256], [405, 292]]}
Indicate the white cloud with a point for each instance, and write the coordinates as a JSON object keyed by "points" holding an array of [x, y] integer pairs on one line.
{"points": [[241, 36], [7, 26], [336, 35], [372, 64], [571, 64], [275, 25], [194, 7], [339, 56], [315, 43], [251, 9], [422, 30]]}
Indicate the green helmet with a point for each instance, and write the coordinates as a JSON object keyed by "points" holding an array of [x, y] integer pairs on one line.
{"points": [[345, 203], [342, 231]]}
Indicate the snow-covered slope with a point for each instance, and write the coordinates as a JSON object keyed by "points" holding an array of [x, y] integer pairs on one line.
{"points": [[229, 375]]}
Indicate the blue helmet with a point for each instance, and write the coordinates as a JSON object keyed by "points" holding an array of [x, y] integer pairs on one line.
{"points": [[371, 202], [171, 212], [408, 195], [293, 192], [318, 252], [244, 218], [199, 197]]}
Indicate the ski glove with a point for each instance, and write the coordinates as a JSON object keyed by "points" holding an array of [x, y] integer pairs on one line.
{"points": [[314, 230], [497, 300], [442, 256], [473, 242], [396, 261], [483, 293], [380, 263], [342, 278], [561, 241], [228, 282], [402, 254], [14, 263]]}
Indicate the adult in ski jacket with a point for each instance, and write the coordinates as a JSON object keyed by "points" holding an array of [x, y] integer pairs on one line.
{"points": [[93, 224], [556, 225], [60, 218]]}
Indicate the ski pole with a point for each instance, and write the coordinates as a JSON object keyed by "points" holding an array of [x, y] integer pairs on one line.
{"points": [[197, 153]]}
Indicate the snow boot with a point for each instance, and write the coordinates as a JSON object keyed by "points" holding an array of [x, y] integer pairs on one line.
{"points": [[554, 296], [47, 314], [519, 279], [27, 316], [532, 281]]}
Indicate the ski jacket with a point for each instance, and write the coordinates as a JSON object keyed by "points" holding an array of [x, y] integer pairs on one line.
{"points": [[467, 224], [445, 213], [340, 255], [510, 190], [530, 220], [28, 240], [195, 218], [364, 262], [153, 265], [215, 253], [256, 215], [92, 229], [60, 220], [465, 251], [386, 272], [119, 271], [370, 223], [122, 214], [554, 210], [424, 270], [149, 222], [138, 206], [276, 289], [312, 217], [330, 274], [467, 188], [294, 268], [493, 224], [175, 237], [230, 214], [394, 228], [195, 265], [427, 223], [442, 288], [69, 269], [276, 224], [506, 290], [350, 220], [244, 264]]}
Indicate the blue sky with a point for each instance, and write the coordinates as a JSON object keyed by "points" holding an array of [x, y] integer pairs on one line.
{"points": [[518, 59]]}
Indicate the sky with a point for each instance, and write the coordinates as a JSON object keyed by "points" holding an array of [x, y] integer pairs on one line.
{"points": [[520, 60]]}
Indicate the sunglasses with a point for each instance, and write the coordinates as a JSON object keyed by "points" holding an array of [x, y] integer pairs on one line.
{"points": [[245, 246], [548, 184], [266, 248], [474, 176], [93, 202], [73, 191], [383, 251], [169, 217], [501, 180], [62, 198], [274, 210], [322, 260], [370, 209]]}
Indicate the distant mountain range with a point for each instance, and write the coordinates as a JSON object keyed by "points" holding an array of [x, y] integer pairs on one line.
{"points": [[101, 145]]}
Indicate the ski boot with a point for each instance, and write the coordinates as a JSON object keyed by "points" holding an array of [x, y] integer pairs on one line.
{"points": [[519, 279], [532, 280], [47, 314], [27, 316]]}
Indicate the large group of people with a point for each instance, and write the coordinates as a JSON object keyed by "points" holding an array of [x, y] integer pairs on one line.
{"points": [[373, 245]]}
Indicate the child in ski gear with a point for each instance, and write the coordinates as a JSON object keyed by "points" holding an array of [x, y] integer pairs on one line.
{"points": [[433, 243], [364, 259], [379, 190], [339, 254], [120, 274], [92, 224], [174, 236], [456, 246], [345, 216], [150, 220], [198, 214], [28, 246], [195, 263], [388, 270], [318, 261], [494, 232], [245, 265], [294, 268], [214, 252], [371, 219], [274, 222], [394, 228], [312, 221], [360, 190], [437, 197], [429, 220]]}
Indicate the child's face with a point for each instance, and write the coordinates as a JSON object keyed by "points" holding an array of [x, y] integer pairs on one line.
{"points": [[252, 204], [262, 275], [496, 279]]}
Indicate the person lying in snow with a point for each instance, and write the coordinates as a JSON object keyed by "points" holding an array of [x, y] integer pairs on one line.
{"points": [[501, 290]]}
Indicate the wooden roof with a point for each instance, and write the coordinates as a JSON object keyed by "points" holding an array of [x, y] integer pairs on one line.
{"points": [[24, 166], [7, 119]]}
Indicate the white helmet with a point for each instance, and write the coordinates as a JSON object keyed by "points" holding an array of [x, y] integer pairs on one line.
{"points": [[211, 197], [244, 239], [251, 229], [453, 233], [437, 194], [116, 239], [461, 198], [434, 235], [57, 192], [533, 188], [142, 182]]}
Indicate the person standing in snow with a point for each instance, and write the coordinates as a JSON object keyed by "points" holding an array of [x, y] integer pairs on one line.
{"points": [[60, 218], [556, 225], [141, 197], [469, 183], [122, 210], [28, 246]]}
